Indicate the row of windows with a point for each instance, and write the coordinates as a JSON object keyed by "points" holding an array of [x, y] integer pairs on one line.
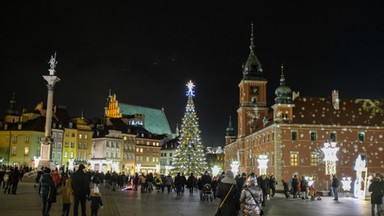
{"points": [[294, 156], [112, 144], [73, 135], [128, 156], [147, 159], [79, 145], [333, 137], [148, 150], [141, 142], [112, 155], [165, 154], [81, 156]]}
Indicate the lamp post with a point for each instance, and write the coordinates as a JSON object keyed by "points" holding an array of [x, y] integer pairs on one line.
{"points": [[235, 167], [330, 157], [263, 160]]}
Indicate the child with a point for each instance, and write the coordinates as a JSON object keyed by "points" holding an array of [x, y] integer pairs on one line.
{"points": [[66, 195], [96, 202]]}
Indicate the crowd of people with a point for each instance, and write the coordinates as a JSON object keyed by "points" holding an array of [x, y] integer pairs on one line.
{"points": [[241, 193]]}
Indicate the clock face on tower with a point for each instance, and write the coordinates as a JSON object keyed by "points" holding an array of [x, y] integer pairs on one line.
{"points": [[254, 90]]}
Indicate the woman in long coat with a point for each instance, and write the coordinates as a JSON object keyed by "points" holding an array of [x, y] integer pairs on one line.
{"points": [[251, 197], [376, 189], [231, 205]]}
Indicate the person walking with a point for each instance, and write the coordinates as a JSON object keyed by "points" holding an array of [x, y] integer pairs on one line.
{"points": [[66, 197], [251, 196], [16, 176], [286, 189], [335, 187], [229, 195], [81, 190], [376, 189], [96, 201], [294, 186], [191, 182], [304, 187], [47, 189], [169, 182]]}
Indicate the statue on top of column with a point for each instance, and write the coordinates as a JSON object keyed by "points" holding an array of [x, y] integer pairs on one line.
{"points": [[52, 62]]}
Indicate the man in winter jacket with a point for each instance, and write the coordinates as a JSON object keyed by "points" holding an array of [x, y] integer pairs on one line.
{"points": [[81, 190]]}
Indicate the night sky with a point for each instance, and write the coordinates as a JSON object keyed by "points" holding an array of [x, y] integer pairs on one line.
{"points": [[146, 53]]}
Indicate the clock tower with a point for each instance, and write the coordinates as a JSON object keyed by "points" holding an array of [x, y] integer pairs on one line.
{"points": [[253, 93]]}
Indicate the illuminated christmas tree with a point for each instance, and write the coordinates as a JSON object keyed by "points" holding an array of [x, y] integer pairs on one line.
{"points": [[190, 154]]}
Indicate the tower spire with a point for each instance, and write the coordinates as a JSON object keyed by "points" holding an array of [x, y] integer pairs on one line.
{"points": [[252, 46], [252, 69]]}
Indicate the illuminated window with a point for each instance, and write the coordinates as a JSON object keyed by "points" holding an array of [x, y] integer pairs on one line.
{"points": [[137, 149], [147, 159], [65, 154], [80, 136], [313, 136], [294, 135], [141, 150], [362, 136], [294, 158], [85, 136], [314, 159], [66, 144], [26, 150]]}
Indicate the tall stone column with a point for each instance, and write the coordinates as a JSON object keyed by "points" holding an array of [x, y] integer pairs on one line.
{"points": [[47, 141]]}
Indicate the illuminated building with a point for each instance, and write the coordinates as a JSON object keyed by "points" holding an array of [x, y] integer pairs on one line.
{"points": [[292, 131]]}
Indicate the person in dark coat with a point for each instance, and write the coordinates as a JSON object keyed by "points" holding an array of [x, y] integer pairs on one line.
{"points": [[16, 175], [335, 187], [231, 205], [294, 186], [191, 182], [178, 184], [304, 187], [376, 189], [81, 190], [47, 189], [96, 201]]}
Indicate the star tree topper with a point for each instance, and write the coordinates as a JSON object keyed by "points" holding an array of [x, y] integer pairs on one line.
{"points": [[190, 91]]}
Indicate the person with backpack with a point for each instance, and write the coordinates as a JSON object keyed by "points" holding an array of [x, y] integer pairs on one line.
{"points": [[158, 183]]}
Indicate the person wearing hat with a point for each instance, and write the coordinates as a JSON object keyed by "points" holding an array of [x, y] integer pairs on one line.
{"points": [[96, 201], [229, 195], [81, 190], [251, 197]]}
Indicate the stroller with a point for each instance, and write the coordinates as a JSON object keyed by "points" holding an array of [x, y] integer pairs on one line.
{"points": [[207, 192]]}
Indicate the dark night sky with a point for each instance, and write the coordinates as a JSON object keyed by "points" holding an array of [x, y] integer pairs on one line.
{"points": [[146, 53]]}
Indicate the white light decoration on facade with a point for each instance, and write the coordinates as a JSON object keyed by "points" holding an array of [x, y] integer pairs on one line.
{"points": [[115, 166], [346, 183], [310, 181], [215, 170], [263, 160], [70, 164], [138, 167], [36, 159], [235, 167], [330, 150], [360, 187], [158, 168]]}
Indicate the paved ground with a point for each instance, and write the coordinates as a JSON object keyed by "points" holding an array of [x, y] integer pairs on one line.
{"points": [[131, 203]]}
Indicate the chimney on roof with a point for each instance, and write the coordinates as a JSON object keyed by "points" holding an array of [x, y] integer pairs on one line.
{"points": [[295, 95], [335, 99]]}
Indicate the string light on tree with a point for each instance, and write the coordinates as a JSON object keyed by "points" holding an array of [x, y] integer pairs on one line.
{"points": [[190, 155]]}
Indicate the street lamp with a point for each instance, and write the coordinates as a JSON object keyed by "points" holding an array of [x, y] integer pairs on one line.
{"points": [[235, 167], [330, 157], [263, 160]]}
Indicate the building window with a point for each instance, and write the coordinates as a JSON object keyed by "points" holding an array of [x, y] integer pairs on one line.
{"points": [[26, 139], [66, 133], [65, 154], [333, 136], [26, 150], [85, 146], [314, 159], [147, 159], [79, 146], [294, 158], [66, 144], [294, 135], [85, 156], [80, 136], [53, 155], [141, 150], [117, 145], [59, 155], [85, 136], [72, 155], [361, 136], [313, 136], [72, 144], [79, 155], [170, 154], [73, 134]]}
